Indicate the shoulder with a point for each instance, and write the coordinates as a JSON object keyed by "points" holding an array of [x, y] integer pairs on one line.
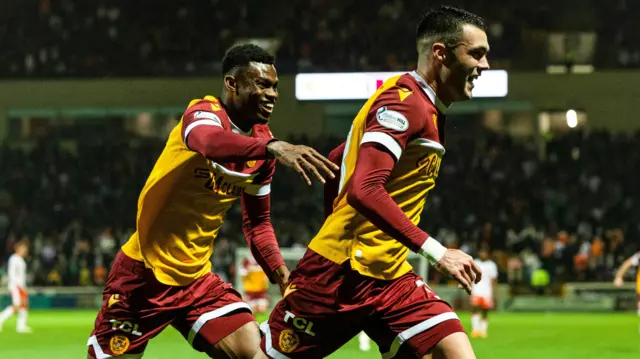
{"points": [[208, 103], [402, 104], [206, 109], [404, 92], [14, 258]]}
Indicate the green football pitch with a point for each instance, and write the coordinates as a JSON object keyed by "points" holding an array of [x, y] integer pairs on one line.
{"points": [[62, 335]]}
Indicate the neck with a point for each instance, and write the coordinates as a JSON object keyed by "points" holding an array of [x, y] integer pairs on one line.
{"points": [[430, 75], [236, 117]]}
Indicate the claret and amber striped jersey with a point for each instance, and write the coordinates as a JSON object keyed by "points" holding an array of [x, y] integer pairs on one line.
{"points": [[253, 278], [184, 201], [635, 260], [406, 117]]}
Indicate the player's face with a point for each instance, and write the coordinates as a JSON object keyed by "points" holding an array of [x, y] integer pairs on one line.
{"points": [[469, 60], [483, 254], [258, 91], [22, 250]]}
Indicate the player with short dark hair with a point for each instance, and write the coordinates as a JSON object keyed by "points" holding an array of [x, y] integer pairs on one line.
{"points": [[355, 275], [222, 150]]}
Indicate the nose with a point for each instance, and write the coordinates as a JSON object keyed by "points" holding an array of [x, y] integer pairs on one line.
{"points": [[271, 94], [483, 64]]}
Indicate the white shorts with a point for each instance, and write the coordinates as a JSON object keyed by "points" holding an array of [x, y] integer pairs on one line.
{"points": [[258, 302]]}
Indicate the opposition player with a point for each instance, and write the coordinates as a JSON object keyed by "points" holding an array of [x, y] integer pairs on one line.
{"points": [[220, 151], [254, 283], [483, 294], [633, 261], [355, 275], [18, 288]]}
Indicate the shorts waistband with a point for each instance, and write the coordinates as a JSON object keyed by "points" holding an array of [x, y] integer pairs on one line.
{"points": [[130, 264]]}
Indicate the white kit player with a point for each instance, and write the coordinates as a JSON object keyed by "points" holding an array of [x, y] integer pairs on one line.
{"points": [[483, 294], [18, 288]]}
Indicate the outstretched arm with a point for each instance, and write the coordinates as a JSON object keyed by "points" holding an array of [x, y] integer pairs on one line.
{"points": [[626, 265], [204, 133]]}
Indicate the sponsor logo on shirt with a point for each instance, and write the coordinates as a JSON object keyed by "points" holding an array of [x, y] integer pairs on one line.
{"points": [[393, 120]]}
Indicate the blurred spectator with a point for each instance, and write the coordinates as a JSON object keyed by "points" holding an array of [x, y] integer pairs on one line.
{"points": [[124, 38], [566, 214]]}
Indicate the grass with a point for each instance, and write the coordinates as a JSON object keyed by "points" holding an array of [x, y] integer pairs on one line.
{"points": [[63, 334]]}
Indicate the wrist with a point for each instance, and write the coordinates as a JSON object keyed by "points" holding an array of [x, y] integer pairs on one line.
{"points": [[433, 250], [278, 276], [271, 145]]}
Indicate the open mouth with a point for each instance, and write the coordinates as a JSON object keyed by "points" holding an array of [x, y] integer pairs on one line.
{"points": [[471, 79], [267, 106]]}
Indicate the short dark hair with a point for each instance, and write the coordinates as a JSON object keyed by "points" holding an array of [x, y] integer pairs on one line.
{"points": [[241, 55], [444, 24]]}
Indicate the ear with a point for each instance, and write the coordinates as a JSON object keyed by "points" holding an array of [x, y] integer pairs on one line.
{"points": [[439, 51], [231, 84]]}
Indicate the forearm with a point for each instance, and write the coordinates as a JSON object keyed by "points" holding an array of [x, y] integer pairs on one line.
{"points": [[223, 146], [366, 194], [259, 233], [623, 269]]}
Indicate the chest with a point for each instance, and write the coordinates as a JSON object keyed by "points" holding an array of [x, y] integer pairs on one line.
{"points": [[420, 161], [229, 180]]}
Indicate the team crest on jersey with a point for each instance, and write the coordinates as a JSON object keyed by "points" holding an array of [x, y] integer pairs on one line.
{"points": [[250, 164], [289, 341], [393, 120], [435, 120], [119, 344], [113, 299]]}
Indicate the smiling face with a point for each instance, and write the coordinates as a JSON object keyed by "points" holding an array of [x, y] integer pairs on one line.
{"points": [[464, 62], [254, 91]]}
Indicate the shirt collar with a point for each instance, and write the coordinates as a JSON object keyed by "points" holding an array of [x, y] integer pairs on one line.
{"points": [[429, 92], [236, 129]]}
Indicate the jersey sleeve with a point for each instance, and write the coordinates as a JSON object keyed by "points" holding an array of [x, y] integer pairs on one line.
{"points": [[394, 120], [635, 260], [206, 112], [333, 184], [261, 185], [206, 129]]}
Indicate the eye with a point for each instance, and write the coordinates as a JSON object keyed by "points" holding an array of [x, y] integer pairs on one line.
{"points": [[478, 53]]}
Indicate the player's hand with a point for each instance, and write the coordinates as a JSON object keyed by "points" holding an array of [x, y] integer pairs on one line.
{"points": [[305, 160], [281, 277], [461, 267], [618, 282]]}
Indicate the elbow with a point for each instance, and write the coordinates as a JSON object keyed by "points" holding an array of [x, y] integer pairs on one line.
{"points": [[355, 197], [211, 153]]}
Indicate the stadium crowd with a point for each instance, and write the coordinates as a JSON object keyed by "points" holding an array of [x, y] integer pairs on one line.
{"points": [[563, 206], [46, 38]]}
